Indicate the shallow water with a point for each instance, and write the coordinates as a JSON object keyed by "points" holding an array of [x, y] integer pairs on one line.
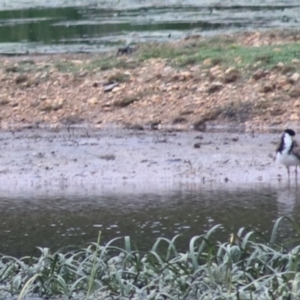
{"points": [[64, 219], [58, 189], [93, 26]]}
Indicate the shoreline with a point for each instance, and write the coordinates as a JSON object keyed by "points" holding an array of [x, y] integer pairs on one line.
{"points": [[123, 159]]}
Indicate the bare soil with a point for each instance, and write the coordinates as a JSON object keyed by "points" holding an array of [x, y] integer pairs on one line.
{"points": [[61, 90]]}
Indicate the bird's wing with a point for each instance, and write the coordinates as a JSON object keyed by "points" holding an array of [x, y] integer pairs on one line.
{"points": [[280, 145]]}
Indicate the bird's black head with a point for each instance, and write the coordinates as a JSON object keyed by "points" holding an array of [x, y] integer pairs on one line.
{"points": [[290, 132]]}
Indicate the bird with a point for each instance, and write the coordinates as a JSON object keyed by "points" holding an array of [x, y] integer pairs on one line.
{"points": [[288, 151]]}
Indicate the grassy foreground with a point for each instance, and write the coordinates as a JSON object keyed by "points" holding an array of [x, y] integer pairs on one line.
{"points": [[240, 269]]}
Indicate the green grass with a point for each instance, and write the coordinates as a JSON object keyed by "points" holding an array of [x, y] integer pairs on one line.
{"points": [[25, 66], [251, 267], [65, 66], [107, 62], [224, 51]]}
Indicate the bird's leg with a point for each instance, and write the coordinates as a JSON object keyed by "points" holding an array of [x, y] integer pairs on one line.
{"points": [[296, 171], [288, 170]]}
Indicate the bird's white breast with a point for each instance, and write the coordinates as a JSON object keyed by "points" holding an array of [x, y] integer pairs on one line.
{"points": [[287, 159]]}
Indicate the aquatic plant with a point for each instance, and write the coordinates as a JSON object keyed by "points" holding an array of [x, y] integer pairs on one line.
{"points": [[242, 268]]}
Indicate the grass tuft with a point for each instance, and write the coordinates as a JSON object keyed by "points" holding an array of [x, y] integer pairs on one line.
{"points": [[246, 267]]}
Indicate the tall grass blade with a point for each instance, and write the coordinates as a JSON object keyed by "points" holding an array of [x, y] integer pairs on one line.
{"points": [[27, 286], [93, 272]]}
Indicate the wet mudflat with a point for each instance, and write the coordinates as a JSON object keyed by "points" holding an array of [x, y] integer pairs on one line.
{"points": [[67, 158], [59, 188]]}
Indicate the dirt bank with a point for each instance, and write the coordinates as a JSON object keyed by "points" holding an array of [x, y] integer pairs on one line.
{"points": [[248, 79]]}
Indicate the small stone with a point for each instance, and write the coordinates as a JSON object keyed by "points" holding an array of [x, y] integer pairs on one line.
{"points": [[199, 137], [266, 88], [197, 145], [93, 101], [277, 112], [238, 60], [297, 103], [14, 104], [3, 102], [273, 77], [116, 89], [82, 74], [216, 72], [286, 87], [47, 106], [295, 60], [154, 125], [179, 120], [294, 92], [231, 75], [44, 75], [295, 77], [230, 70], [214, 87], [185, 76], [287, 69], [207, 62], [124, 101], [110, 87], [21, 78], [134, 127], [175, 77], [259, 74], [107, 157], [57, 106], [200, 125], [294, 117], [186, 112], [283, 83]]}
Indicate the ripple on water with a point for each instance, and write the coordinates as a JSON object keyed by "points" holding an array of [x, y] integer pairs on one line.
{"points": [[187, 211]]}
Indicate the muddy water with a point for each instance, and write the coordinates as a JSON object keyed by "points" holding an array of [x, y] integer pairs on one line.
{"points": [[92, 26], [64, 219], [60, 188]]}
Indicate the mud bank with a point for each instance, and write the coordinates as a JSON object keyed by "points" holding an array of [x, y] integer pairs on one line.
{"points": [[115, 159]]}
